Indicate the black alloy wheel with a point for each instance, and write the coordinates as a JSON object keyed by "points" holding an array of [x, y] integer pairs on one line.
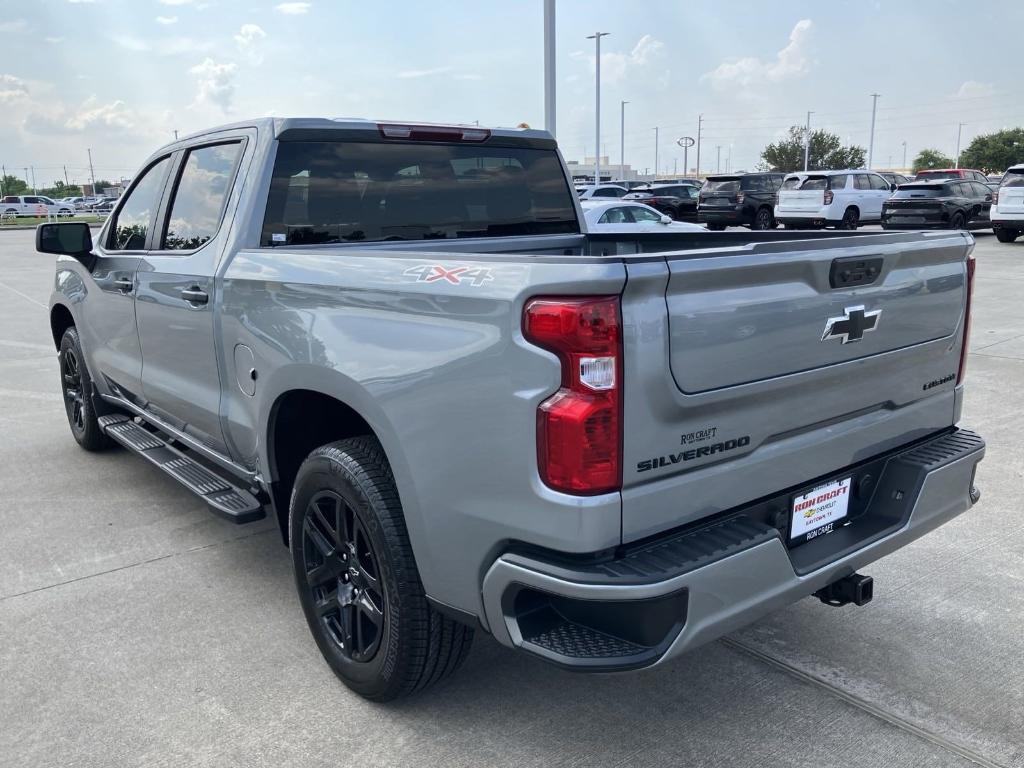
{"points": [[763, 220], [71, 379], [850, 219], [343, 576]]}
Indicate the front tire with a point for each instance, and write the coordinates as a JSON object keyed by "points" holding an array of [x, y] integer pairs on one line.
{"points": [[76, 387], [357, 578], [1007, 235]]}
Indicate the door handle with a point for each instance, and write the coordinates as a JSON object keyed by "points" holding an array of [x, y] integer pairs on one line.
{"points": [[124, 284], [195, 295]]}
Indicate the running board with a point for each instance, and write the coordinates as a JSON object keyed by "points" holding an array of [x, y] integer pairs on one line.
{"points": [[222, 495]]}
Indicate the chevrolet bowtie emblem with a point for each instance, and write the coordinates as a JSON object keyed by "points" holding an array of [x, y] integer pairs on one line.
{"points": [[852, 326]]}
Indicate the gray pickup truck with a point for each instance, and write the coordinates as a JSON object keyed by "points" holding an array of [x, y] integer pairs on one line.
{"points": [[467, 413]]}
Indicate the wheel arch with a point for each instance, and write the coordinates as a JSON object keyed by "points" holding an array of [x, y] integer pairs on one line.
{"points": [[60, 320]]}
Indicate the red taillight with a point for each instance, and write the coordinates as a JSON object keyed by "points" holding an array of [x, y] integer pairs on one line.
{"points": [[579, 428], [967, 320], [829, 197], [995, 197]]}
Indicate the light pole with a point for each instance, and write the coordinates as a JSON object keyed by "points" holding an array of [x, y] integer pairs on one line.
{"points": [[904, 155], [622, 140], [807, 141], [700, 123], [959, 133], [718, 163], [655, 154], [596, 37], [549, 66], [871, 143]]}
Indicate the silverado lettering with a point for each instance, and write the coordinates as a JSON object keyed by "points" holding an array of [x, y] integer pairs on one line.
{"points": [[693, 453]]}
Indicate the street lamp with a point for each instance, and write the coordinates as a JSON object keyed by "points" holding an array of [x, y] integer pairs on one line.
{"points": [[807, 141], [959, 133], [596, 37], [871, 144], [655, 154], [622, 140]]}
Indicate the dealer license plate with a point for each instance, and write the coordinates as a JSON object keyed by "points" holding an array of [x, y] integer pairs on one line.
{"points": [[819, 510]]}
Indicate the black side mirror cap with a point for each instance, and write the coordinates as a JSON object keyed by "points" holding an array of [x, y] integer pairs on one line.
{"points": [[73, 238]]}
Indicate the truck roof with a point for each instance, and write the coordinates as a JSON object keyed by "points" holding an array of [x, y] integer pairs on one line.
{"points": [[279, 126]]}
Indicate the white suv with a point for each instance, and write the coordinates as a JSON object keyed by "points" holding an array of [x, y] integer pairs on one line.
{"points": [[841, 199], [33, 205], [590, 191], [1007, 214]]}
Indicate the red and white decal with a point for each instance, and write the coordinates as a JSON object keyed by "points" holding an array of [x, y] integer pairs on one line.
{"points": [[436, 273]]}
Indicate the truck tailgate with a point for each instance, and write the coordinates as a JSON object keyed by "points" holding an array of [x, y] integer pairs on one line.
{"points": [[778, 363]]}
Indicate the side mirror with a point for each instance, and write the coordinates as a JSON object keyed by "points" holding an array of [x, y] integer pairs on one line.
{"points": [[665, 219], [69, 239], [892, 187]]}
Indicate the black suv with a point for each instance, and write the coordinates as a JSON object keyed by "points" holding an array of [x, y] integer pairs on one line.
{"points": [[676, 200], [739, 199], [946, 204]]}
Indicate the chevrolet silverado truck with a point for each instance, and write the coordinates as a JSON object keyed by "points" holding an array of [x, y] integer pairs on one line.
{"points": [[467, 413]]}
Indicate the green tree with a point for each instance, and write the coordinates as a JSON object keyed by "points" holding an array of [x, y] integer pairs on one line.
{"points": [[994, 152], [12, 185], [931, 158], [60, 189], [826, 152]]}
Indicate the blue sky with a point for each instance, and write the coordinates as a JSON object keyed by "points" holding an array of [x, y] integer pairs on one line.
{"points": [[118, 76]]}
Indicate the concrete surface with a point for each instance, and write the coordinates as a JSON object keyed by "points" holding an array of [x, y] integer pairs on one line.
{"points": [[137, 629]]}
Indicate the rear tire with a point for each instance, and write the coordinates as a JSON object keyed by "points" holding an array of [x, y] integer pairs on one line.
{"points": [[716, 227], [958, 221], [76, 387], [763, 220], [1007, 235], [357, 578], [851, 219]]}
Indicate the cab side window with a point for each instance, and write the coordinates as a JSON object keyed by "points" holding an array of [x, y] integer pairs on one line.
{"points": [[130, 227]]}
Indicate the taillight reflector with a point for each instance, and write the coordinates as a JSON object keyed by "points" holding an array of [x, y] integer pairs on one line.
{"points": [[579, 428], [967, 320]]}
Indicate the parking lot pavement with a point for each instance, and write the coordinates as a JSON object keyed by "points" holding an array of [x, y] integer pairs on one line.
{"points": [[137, 629]]}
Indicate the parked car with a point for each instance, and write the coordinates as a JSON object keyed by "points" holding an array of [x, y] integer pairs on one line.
{"points": [[622, 216], [951, 173], [102, 205], [33, 205], [840, 199], [1008, 205], [423, 379], [943, 204], [894, 178], [631, 184], [994, 178], [588, 191], [739, 200], [676, 200]]}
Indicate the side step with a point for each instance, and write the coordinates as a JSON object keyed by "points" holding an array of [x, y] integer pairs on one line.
{"points": [[222, 495]]}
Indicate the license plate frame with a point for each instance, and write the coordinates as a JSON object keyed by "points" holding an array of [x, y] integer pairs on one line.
{"points": [[819, 510]]}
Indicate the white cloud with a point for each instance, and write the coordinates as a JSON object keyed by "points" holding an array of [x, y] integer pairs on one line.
{"points": [[414, 73], [972, 89], [15, 25], [53, 40], [58, 119], [108, 116], [12, 89], [614, 66], [216, 83], [130, 43], [790, 62], [293, 9], [166, 20], [248, 41], [176, 2]]}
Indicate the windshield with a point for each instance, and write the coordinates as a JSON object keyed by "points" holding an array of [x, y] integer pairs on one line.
{"points": [[1013, 178], [343, 191]]}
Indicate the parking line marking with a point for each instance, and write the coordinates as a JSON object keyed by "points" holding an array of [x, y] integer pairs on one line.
{"points": [[863, 704], [23, 295]]}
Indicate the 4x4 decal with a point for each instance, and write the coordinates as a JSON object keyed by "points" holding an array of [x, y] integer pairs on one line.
{"points": [[432, 273]]}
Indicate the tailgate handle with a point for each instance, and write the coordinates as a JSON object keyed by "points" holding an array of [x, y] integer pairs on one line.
{"points": [[854, 270]]}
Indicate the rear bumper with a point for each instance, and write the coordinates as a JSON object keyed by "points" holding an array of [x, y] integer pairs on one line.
{"points": [[723, 215], [666, 596], [1006, 220]]}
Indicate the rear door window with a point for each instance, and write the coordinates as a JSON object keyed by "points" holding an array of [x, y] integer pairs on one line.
{"points": [[346, 191], [200, 196]]}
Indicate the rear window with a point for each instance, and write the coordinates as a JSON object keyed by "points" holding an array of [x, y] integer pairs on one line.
{"points": [[938, 175], [793, 183], [912, 190], [815, 182], [336, 192], [722, 185], [1013, 178]]}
